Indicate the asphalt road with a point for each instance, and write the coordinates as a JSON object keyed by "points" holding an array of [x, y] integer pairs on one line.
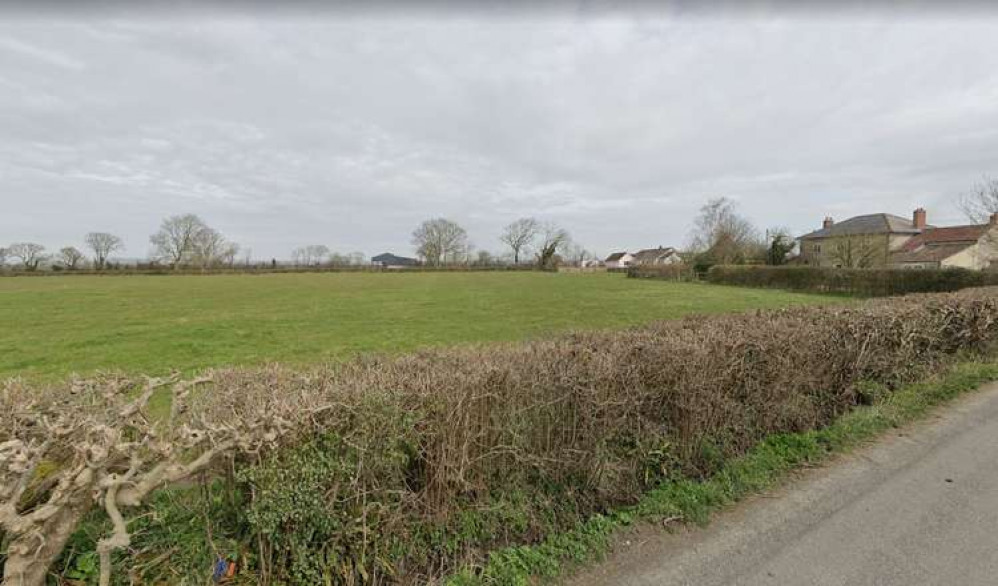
{"points": [[918, 507]]}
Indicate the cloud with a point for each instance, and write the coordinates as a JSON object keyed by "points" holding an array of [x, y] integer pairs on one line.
{"points": [[349, 131]]}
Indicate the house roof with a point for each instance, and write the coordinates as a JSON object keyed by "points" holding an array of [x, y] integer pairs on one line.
{"points": [[937, 244], [868, 224], [391, 259], [615, 256], [653, 253]]}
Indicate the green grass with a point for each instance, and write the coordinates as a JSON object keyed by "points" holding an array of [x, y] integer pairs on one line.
{"points": [[52, 327], [763, 467]]}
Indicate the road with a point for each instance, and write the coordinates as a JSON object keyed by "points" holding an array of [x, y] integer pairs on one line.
{"points": [[918, 507]]}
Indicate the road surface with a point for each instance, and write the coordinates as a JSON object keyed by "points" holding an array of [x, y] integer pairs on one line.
{"points": [[919, 507]]}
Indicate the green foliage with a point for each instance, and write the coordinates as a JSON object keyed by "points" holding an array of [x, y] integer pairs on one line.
{"points": [[859, 282]]}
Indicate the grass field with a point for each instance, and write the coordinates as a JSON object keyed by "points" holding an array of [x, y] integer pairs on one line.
{"points": [[55, 326]]}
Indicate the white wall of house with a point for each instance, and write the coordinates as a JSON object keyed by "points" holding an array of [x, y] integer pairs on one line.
{"points": [[621, 263]]}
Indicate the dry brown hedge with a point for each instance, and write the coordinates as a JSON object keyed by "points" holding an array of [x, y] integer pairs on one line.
{"points": [[581, 422]]}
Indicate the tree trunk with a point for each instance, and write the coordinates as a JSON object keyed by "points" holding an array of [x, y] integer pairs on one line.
{"points": [[27, 563]]}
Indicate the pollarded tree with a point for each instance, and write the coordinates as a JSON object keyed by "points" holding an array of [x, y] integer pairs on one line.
{"points": [[30, 254], [552, 240], [519, 235], [174, 241], [70, 257], [440, 241], [103, 244]]}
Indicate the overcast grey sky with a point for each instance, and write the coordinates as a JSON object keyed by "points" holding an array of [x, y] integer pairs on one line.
{"points": [[348, 130]]}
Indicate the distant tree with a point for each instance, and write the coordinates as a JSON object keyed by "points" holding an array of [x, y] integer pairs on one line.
{"points": [[4, 253], [981, 201], [440, 241], [174, 242], [102, 245], [311, 255], [209, 249], [721, 236], [781, 244], [70, 257], [30, 254], [357, 258], [484, 258], [519, 235], [552, 240], [337, 259], [576, 254]]}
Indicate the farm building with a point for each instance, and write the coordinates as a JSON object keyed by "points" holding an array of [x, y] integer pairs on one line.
{"points": [[391, 261]]}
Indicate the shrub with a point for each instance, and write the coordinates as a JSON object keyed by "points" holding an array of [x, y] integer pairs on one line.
{"points": [[398, 470], [860, 282]]}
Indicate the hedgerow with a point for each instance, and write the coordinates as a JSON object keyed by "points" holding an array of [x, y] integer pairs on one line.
{"points": [[399, 470], [859, 282]]}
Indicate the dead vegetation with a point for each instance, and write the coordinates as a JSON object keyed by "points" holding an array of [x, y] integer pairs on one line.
{"points": [[594, 418]]}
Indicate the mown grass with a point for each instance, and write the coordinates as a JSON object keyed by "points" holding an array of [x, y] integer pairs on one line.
{"points": [[52, 327], [695, 501]]}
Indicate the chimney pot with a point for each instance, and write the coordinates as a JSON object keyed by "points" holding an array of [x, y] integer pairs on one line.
{"points": [[919, 218], [828, 223], [994, 219]]}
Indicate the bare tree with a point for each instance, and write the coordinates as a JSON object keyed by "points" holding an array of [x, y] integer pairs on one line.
{"points": [[357, 258], [209, 249], [721, 236], [858, 252], [576, 254], [4, 253], [174, 242], [313, 254], [552, 240], [30, 254], [440, 241], [103, 244], [70, 257], [519, 235], [982, 201]]}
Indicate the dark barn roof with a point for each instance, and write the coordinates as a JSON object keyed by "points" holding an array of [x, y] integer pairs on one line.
{"points": [[390, 259]]}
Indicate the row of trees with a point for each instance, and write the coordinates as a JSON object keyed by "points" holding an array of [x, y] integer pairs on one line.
{"points": [[30, 256], [183, 240], [441, 241]]}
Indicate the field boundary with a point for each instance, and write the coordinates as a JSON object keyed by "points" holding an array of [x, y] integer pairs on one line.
{"points": [[764, 467]]}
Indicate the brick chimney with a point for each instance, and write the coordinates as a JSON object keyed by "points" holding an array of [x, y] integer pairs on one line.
{"points": [[828, 223], [919, 218], [994, 219]]}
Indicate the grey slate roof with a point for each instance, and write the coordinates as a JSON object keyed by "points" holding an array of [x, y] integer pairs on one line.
{"points": [[615, 256], [393, 260], [868, 224]]}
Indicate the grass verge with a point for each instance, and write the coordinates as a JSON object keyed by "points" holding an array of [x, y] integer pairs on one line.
{"points": [[763, 467]]}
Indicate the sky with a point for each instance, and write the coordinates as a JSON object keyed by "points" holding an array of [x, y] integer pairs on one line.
{"points": [[349, 128]]}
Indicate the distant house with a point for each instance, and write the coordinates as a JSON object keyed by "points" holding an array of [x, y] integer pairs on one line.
{"points": [[390, 261], [969, 247], [619, 260], [886, 240], [657, 257]]}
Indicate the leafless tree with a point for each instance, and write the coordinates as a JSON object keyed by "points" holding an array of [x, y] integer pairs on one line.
{"points": [[724, 237], [519, 235], [103, 244], [174, 242], [357, 258], [981, 201], [576, 254], [210, 249], [440, 241], [4, 253], [313, 254], [70, 257], [30, 254], [858, 252], [552, 241]]}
